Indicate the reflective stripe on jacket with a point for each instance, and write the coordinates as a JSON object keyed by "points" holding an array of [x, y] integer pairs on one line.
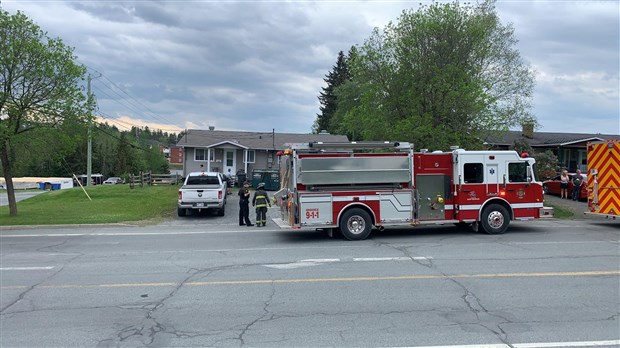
{"points": [[260, 199]]}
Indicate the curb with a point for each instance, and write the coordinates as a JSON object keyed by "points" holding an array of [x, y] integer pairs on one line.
{"points": [[32, 227]]}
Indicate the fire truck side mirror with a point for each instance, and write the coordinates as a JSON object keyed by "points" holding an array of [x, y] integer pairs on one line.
{"points": [[504, 180], [529, 174]]}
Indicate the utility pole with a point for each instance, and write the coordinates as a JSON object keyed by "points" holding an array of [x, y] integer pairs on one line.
{"points": [[89, 159]]}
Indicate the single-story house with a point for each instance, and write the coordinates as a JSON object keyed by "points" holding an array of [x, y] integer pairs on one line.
{"points": [[239, 152], [570, 148]]}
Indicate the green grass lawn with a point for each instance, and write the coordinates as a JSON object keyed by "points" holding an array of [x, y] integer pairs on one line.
{"points": [[110, 203], [560, 212]]}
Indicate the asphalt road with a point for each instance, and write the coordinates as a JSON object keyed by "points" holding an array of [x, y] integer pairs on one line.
{"points": [[205, 281]]}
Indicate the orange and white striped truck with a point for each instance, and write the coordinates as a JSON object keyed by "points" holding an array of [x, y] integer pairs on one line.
{"points": [[604, 179]]}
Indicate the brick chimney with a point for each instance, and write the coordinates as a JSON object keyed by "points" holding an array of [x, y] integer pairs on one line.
{"points": [[528, 130]]}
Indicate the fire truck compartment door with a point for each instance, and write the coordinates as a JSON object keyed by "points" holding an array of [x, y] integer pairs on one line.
{"points": [[396, 207], [351, 171], [492, 178], [432, 193], [315, 209]]}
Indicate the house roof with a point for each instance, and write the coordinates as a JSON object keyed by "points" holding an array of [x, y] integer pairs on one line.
{"points": [[250, 140], [548, 139]]}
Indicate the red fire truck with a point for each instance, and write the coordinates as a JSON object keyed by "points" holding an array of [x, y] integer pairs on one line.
{"points": [[357, 185]]}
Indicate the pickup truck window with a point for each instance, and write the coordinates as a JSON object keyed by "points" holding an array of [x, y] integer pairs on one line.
{"points": [[203, 180]]}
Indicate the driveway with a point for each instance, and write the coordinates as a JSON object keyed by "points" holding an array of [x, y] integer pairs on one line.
{"points": [[231, 218], [19, 196]]}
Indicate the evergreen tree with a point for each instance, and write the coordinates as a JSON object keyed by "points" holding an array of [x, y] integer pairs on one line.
{"points": [[329, 101], [124, 156]]}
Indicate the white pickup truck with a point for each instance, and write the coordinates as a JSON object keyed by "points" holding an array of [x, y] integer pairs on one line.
{"points": [[203, 190]]}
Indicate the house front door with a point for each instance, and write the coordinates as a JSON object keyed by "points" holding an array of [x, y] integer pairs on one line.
{"points": [[230, 159]]}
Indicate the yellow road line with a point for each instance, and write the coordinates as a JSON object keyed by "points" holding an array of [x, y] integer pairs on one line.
{"points": [[329, 280]]}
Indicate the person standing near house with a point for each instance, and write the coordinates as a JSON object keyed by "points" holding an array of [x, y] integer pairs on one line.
{"points": [[261, 201], [244, 205], [577, 182], [564, 184], [229, 182]]}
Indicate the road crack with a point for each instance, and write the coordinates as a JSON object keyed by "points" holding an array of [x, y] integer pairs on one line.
{"points": [[266, 313]]}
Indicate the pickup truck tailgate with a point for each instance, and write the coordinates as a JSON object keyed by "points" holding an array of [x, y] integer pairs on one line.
{"points": [[203, 194]]}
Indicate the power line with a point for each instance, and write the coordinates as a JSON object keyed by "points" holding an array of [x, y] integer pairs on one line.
{"points": [[154, 114], [125, 125], [136, 111], [129, 107], [102, 130]]}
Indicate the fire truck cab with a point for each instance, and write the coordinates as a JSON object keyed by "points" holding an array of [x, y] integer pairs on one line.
{"points": [[355, 186]]}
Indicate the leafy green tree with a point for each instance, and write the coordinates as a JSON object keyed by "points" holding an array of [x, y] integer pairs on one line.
{"points": [[45, 150], [40, 87], [443, 75], [155, 162], [327, 98], [547, 165]]}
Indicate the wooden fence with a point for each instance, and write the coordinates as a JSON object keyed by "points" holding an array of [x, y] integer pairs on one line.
{"points": [[148, 178]]}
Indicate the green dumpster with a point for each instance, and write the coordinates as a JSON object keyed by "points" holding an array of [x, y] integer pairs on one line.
{"points": [[270, 177], [257, 177], [272, 180]]}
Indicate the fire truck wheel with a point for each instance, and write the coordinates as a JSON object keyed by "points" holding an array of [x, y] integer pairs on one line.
{"points": [[355, 224], [495, 219]]}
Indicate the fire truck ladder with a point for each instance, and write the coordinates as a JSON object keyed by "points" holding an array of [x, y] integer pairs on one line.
{"points": [[351, 145]]}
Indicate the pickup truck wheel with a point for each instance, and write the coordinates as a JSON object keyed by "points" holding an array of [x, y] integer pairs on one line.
{"points": [[495, 219], [222, 211], [181, 211], [355, 224]]}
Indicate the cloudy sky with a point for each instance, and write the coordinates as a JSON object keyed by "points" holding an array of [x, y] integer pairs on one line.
{"points": [[259, 65]]}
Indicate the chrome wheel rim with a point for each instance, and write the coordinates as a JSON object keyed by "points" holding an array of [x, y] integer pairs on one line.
{"points": [[495, 219], [356, 224]]}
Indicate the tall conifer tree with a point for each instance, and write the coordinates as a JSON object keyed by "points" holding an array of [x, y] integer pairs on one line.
{"points": [[339, 75]]}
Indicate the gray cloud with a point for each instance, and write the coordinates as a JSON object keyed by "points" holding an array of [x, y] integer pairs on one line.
{"points": [[260, 65]]}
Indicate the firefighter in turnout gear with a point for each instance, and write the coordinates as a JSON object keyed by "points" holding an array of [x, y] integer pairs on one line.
{"points": [[261, 201]]}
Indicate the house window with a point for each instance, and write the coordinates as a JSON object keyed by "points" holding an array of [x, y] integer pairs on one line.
{"points": [[212, 155], [251, 156], [472, 173], [199, 154], [229, 155]]}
